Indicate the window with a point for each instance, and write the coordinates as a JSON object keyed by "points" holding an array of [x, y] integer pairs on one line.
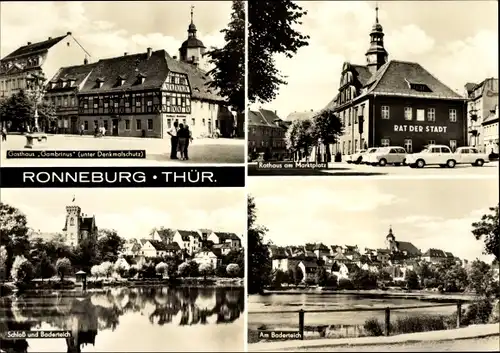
{"points": [[85, 105], [432, 142], [115, 104], [349, 147], [169, 123], [192, 121], [65, 101], [349, 116], [408, 145], [96, 105], [138, 124], [385, 112], [453, 115], [385, 142], [127, 124], [431, 114], [355, 115], [420, 87], [96, 124], [408, 113], [85, 125], [420, 114], [473, 150], [150, 124], [106, 104], [453, 145], [149, 103], [137, 103], [73, 101], [355, 146], [105, 125], [343, 147]]}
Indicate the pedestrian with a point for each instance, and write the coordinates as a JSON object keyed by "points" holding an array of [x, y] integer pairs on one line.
{"points": [[4, 134], [189, 139], [82, 127], [173, 140], [103, 131], [181, 140]]}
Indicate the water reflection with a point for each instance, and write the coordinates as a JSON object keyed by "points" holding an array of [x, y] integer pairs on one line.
{"points": [[86, 314]]}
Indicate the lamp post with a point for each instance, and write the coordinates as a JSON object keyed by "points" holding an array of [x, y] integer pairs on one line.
{"points": [[36, 86]]}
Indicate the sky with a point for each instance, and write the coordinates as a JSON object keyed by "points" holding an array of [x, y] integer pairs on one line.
{"points": [[133, 213], [430, 213], [456, 41], [110, 28]]}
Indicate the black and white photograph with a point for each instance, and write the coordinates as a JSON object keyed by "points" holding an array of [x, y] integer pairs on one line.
{"points": [[122, 270], [162, 77], [373, 88], [390, 265]]}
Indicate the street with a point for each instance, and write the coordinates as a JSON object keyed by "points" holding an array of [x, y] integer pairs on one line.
{"points": [[346, 169], [485, 344], [157, 151]]}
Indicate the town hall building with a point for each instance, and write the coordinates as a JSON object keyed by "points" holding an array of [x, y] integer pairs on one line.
{"points": [[141, 95], [395, 103]]}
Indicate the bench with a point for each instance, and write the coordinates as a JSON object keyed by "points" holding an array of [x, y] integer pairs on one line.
{"points": [[32, 138]]}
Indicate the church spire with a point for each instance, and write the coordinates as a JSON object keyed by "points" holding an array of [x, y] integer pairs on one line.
{"points": [[192, 28], [376, 56], [192, 13]]}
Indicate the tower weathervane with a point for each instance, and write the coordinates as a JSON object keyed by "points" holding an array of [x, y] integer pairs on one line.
{"points": [[376, 12], [192, 11]]}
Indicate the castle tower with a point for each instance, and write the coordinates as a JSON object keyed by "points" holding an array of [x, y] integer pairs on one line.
{"points": [[376, 56], [192, 49], [390, 240], [72, 226]]}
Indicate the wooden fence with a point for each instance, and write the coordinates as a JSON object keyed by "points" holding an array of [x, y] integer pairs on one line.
{"points": [[387, 310]]}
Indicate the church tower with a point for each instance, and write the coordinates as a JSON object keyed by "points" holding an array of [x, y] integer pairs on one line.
{"points": [[192, 50], [390, 240], [376, 56], [72, 227]]}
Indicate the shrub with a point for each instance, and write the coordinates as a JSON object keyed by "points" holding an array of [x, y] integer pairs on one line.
{"points": [[220, 271], [345, 283], [421, 323], [95, 271], [132, 272], [373, 327], [3, 263], [22, 270], [183, 269], [206, 269], [161, 268], [495, 313], [63, 267], [233, 270], [106, 268], [478, 312], [310, 281]]}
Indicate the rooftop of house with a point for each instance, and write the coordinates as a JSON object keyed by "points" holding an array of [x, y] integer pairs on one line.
{"points": [[78, 74], [438, 253], [264, 117], [227, 236], [305, 115], [34, 48], [408, 247], [186, 234]]}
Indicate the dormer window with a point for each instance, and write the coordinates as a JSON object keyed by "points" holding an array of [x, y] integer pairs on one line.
{"points": [[419, 87], [71, 82], [99, 82], [141, 78], [53, 85]]}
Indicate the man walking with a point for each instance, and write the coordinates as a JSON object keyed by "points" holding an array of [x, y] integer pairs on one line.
{"points": [[173, 140], [82, 129]]}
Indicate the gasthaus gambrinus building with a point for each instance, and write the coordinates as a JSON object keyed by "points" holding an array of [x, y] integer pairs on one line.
{"points": [[395, 103]]}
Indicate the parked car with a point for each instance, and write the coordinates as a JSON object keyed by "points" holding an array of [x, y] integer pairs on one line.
{"points": [[356, 157], [366, 156], [388, 155], [432, 155], [471, 155]]}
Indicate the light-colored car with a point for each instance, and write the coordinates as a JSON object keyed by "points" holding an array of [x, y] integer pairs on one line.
{"points": [[388, 155], [471, 155], [365, 157], [432, 155], [356, 157]]}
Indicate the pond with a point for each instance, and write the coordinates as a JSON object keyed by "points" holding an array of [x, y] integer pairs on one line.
{"points": [[142, 319]]}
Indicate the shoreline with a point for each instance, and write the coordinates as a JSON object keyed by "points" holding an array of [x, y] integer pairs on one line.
{"points": [[375, 293], [10, 288]]}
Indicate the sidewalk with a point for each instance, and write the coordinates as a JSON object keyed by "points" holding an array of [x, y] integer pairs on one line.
{"points": [[473, 331]]}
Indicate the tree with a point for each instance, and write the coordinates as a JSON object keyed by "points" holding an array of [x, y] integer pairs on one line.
{"points": [[327, 128], [107, 268], [3, 263], [84, 256], [13, 233], [298, 276], [488, 230], [232, 270], [161, 268], [270, 32], [95, 271], [322, 277], [384, 276], [481, 280], [22, 269], [411, 279], [109, 245], [183, 269], [362, 279], [18, 109], [299, 136], [44, 268], [206, 269], [259, 262], [229, 62], [63, 267]]}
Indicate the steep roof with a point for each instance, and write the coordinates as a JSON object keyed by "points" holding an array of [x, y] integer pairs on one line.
{"points": [[165, 234], [449, 255], [227, 236], [340, 257], [434, 253], [492, 117], [307, 115], [199, 81], [185, 234], [263, 117], [396, 78], [320, 246], [34, 48], [351, 267], [158, 245], [469, 87], [278, 252], [408, 247], [363, 73], [172, 246], [78, 73]]}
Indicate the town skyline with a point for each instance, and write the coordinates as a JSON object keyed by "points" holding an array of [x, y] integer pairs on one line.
{"points": [[133, 213], [108, 29], [339, 32], [355, 213]]}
